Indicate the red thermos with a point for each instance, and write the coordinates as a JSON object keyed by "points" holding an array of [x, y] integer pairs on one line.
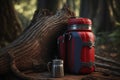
{"points": [[79, 51]]}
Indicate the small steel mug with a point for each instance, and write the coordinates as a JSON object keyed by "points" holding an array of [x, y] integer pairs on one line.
{"points": [[56, 68]]}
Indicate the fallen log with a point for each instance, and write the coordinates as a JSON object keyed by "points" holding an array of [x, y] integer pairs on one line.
{"points": [[37, 43]]}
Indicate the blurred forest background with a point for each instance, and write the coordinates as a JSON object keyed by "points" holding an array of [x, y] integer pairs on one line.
{"points": [[15, 16]]}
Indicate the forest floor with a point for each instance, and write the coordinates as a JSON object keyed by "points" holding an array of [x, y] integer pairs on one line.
{"points": [[107, 51], [92, 76]]}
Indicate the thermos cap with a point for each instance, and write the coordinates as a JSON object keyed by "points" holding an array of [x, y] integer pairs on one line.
{"points": [[57, 61], [72, 21]]}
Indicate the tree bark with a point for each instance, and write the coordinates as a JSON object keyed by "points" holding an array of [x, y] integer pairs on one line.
{"points": [[36, 44]]}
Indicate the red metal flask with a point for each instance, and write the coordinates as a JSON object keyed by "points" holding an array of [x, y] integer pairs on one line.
{"points": [[80, 46], [76, 47]]}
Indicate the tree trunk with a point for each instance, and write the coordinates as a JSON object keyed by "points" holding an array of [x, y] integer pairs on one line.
{"points": [[47, 4], [37, 44], [10, 26], [100, 12], [88, 8], [71, 4]]}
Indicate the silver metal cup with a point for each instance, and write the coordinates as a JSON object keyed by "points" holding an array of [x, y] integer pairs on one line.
{"points": [[57, 68]]}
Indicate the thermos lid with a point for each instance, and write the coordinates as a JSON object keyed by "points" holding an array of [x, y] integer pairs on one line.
{"points": [[72, 21], [57, 61]]}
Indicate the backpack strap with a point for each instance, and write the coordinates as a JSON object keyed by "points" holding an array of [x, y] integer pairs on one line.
{"points": [[90, 44], [87, 64]]}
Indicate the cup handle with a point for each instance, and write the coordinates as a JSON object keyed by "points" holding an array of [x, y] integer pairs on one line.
{"points": [[48, 65]]}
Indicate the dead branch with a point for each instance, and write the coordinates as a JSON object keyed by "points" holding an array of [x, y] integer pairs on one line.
{"points": [[107, 60], [106, 66]]}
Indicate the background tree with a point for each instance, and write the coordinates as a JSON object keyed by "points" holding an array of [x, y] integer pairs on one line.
{"points": [[47, 4], [100, 12], [10, 26]]}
